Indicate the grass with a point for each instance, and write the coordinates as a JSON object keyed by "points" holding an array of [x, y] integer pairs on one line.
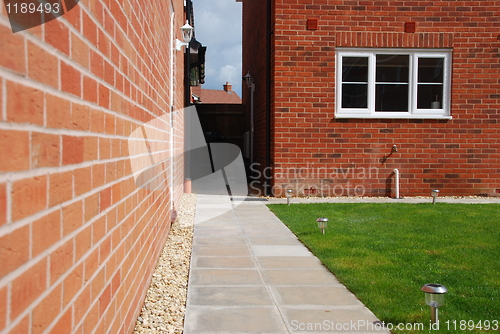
{"points": [[384, 253]]}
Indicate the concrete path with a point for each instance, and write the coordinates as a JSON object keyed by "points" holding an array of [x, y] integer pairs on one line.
{"points": [[250, 274]]}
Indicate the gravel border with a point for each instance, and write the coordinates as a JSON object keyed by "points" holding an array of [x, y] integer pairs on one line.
{"points": [[165, 302]]}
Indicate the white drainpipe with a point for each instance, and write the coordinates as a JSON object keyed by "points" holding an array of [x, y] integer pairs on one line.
{"points": [[396, 175]]}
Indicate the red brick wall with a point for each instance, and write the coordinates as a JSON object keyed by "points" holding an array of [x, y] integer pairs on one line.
{"points": [[352, 156], [78, 239], [254, 60]]}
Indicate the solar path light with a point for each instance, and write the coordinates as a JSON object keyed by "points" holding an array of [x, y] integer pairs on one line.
{"points": [[288, 193], [435, 193], [434, 297], [322, 224]]}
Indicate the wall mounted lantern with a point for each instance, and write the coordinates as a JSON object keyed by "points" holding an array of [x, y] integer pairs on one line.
{"points": [[322, 224], [249, 81], [187, 35], [434, 297]]}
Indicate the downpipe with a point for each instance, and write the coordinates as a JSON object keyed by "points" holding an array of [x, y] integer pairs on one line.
{"points": [[396, 176]]}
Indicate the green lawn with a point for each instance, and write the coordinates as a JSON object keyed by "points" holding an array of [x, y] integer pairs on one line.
{"points": [[384, 253]]}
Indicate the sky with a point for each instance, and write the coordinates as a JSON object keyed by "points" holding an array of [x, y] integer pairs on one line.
{"points": [[218, 27]]}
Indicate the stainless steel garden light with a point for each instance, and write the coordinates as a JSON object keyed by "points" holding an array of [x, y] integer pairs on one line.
{"points": [[288, 193], [322, 224], [434, 297], [435, 193]]}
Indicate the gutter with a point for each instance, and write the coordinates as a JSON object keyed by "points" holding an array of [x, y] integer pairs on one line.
{"points": [[267, 184]]}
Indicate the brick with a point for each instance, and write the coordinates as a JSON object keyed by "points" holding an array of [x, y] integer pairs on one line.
{"points": [[91, 207], [90, 148], [45, 150], [98, 175], [73, 16], [89, 28], [104, 148], [110, 124], [57, 35], [58, 112], [82, 180], [80, 51], [61, 260], [91, 265], [105, 299], [72, 284], [104, 96], [15, 155], [83, 241], [96, 64], [42, 66], [105, 199], [98, 230], [104, 250], [24, 104], [3, 204], [46, 232], [64, 324], [60, 188], [71, 79], [72, 150], [23, 327], [27, 287], [29, 196], [89, 89], [14, 250], [72, 217], [82, 304], [91, 319], [80, 117], [47, 310], [98, 283], [12, 52], [3, 307]]}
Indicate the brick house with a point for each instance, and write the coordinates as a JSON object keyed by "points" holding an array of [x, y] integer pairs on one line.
{"points": [[345, 92], [79, 240]]}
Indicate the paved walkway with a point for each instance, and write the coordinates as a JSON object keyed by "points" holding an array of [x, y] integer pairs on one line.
{"points": [[250, 274]]}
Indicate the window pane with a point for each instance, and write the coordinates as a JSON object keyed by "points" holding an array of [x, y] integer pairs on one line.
{"points": [[392, 68], [430, 70], [355, 69], [430, 97], [391, 97], [354, 95]]}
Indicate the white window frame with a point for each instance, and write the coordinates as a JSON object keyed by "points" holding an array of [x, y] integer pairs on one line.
{"points": [[413, 111]]}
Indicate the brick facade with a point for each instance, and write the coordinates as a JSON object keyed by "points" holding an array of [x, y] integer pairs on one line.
{"points": [[312, 149], [79, 239]]}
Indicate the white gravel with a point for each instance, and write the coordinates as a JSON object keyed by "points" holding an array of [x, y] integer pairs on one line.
{"points": [[165, 302]]}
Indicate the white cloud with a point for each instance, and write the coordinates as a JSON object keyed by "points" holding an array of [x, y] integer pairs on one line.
{"points": [[218, 27], [228, 73]]}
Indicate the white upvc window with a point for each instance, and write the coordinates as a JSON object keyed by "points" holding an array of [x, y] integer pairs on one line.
{"points": [[393, 83]]}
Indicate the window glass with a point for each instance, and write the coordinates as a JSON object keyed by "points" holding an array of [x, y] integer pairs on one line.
{"points": [[393, 97], [430, 83], [355, 82], [392, 68], [430, 70], [355, 69], [354, 96], [392, 78]]}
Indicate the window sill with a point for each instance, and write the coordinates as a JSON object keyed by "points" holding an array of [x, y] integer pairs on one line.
{"points": [[392, 116]]}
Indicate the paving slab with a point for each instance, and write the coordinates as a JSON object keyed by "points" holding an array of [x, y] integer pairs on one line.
{"points": [[239, 262], [250, 274]]}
